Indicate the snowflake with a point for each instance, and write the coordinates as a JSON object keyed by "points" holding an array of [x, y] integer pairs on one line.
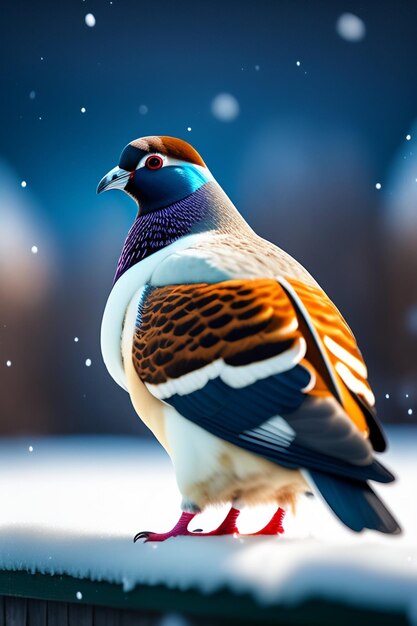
{"points": [[225, 107], [90, 20]]}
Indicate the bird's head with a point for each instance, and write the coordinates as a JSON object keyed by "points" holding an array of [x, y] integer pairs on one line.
{"points": [[157, 172]]}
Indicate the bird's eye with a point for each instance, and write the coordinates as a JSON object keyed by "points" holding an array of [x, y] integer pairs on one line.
{"points": [[154, 162]]}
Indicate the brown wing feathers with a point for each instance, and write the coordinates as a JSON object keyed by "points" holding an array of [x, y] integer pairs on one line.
{"points": [[182, 328], [239, 321]]}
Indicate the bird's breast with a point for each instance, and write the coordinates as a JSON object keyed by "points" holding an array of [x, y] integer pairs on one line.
{"points": [[127, 289]]}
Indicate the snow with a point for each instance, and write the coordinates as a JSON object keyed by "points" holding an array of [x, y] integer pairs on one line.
{"points": [[23, 184], [34, 249], [298, 63], [350, 27], [79, 595], [90, 20], [76, 339], [75, 505], [8, 363], [143, 109], [88, 362], [32, 95], [378, 186], [387, 396], [83, 109], [189, 129], [408, 137], [225, 107]]}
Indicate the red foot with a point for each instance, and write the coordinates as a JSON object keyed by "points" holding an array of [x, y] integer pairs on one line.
{"points": [[227, 527], [274, 526], [180, 528]]}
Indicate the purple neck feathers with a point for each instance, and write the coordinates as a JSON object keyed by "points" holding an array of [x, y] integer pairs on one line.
{"points": [[155, 230]]}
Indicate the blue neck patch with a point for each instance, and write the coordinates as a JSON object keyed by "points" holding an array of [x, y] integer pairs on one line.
{"points": [[156, 189]]}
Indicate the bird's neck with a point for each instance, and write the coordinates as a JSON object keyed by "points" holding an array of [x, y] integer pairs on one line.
{"points": [[206, 209]]}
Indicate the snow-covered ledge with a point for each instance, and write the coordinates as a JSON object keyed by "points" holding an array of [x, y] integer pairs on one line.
{"points": [[72, 506]]}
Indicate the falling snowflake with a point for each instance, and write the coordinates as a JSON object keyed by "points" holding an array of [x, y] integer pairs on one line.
{"points": [[32, 95], [298, 63], [8, 363], [83, 109], [88, 362], [410, 411], [225, 107], [350, 27], [79, 595], [257, 68], [30, 448], [408, 137], [387, 396], [189, 129], [143, 109], [378, 186], [76, 339], [23, 184], [34, 249], [90, 20]]}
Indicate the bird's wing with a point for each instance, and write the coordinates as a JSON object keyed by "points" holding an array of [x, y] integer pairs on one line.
{"points": [[238, 358], [334, 352]]}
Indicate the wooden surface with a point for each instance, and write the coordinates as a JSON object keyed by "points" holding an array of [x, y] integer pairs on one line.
{"points": [[38, 600]]}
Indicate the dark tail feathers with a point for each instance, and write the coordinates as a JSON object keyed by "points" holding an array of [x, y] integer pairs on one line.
{"points": [[355, 503]]}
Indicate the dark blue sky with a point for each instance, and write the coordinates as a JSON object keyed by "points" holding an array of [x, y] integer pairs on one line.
{"points": [[300, 161], [174, 57]]}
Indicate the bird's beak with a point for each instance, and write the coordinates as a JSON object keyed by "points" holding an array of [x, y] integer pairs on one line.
{"points": [[115, 179]]}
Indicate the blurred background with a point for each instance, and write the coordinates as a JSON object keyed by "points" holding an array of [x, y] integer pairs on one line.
{"points": [[305, 112]]}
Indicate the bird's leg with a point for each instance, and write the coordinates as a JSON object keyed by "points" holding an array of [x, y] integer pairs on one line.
{"points": [[274, 526], [180, 528], [227, 527]]}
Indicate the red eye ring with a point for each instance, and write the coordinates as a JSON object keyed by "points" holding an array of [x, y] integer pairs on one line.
{"points": [[154, 162]]}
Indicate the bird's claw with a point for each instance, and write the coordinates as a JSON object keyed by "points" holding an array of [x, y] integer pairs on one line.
{"points": [[142, 535]]}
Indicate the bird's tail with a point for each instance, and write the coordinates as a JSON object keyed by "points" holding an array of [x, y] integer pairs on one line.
{"points": [[355, 503]]}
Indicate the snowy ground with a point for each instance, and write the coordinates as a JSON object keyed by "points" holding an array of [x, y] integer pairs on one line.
{"points": [[73, 506]]}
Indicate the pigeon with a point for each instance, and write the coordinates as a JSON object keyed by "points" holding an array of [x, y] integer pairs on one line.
{"points": [[233, 356]]}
